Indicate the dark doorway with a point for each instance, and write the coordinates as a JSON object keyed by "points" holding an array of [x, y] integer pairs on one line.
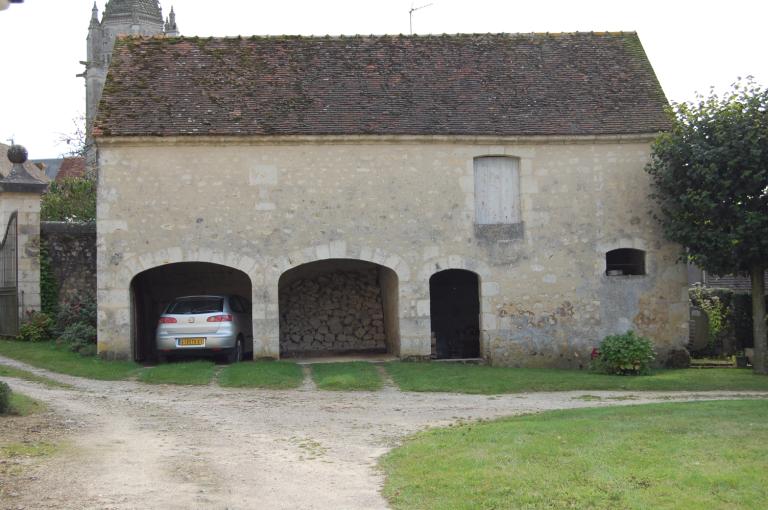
{"points": [[455, 309], [153, 289]]}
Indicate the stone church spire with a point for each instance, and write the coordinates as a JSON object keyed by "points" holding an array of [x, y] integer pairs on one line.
{"points": [[121, 17], [170, 25]]}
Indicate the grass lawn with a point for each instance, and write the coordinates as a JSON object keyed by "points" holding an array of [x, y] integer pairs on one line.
{"points": [[452, 377], [187, 372], [262, 374], [352, 376], [22, 405], [676, 456], [29, 376], [49, 356]]}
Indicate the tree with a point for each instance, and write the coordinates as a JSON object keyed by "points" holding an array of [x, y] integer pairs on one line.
{"points": [[710, 179], [70, 199]]}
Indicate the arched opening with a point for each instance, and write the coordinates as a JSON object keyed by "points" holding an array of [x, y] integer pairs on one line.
{"points": [[153, 289], [625, 261], [338, 306], [454, 297]]}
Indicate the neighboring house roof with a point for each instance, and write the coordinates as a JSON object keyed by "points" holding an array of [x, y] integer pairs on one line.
{"points": [[71, 167], [31, 168], [493, 84], [50, 166], [733, 282], [61, 168]]}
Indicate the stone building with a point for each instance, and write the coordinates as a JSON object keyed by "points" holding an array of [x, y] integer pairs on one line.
{"points": [[446, 196], [121, 17]]}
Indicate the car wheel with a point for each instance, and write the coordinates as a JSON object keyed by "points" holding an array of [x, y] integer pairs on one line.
{"points": [[162, 358], [236, 355]]}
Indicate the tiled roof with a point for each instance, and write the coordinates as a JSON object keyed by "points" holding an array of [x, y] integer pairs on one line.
{"points": [[733, 282], [71, 167], [494, 84]]}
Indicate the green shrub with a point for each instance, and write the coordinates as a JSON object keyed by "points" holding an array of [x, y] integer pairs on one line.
{"points": [[37, 327], [79, 337], [5, 398], [82, 311], [627, 354], [718, 305], [70, 199], [730, 320]]}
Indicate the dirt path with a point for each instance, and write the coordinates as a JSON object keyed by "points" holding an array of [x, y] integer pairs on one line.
{"points": [[141, 446]]}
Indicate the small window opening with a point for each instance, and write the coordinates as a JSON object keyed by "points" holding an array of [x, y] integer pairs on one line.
{"points": [[625, 261]]}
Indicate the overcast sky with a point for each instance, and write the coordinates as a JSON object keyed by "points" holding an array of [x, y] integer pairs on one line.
{"points": [[692, 44]]}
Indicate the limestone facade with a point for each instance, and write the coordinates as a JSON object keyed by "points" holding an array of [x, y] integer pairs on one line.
{"points": [[26, 205], [266, 205]]}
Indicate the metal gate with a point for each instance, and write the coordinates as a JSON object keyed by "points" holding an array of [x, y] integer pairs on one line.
{"points": [[9, 291]]}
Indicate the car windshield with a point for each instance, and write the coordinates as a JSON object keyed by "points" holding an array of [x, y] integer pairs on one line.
{"points": [[196, 305]]}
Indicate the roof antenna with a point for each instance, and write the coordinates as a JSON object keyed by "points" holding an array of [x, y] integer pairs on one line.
{"points": [[410, 14]]}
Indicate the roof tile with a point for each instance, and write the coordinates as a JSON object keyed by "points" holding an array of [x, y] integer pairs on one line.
{"points": [[492, 84]]}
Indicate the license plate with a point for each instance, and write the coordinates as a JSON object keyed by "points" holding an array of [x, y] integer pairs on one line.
{"points": [[190, 342]]}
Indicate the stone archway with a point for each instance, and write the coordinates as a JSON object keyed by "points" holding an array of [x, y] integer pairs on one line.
{"points": [[338, 306], [151, 290]]}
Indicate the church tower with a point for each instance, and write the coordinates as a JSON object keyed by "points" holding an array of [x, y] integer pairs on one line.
{"points": [[121, 17]]}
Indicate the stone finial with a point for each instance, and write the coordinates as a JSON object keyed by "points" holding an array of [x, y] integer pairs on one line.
{"points": [[19, 180], [17, 154]]}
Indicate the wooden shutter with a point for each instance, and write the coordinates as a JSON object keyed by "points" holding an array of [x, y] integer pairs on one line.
{"points": [[497, 190]]}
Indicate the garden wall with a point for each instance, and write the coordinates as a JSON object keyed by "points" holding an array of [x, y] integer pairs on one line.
{"points": [[71, 252]]}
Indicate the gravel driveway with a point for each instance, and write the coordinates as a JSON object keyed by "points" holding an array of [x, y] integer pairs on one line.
{"points": [[133, 445]]}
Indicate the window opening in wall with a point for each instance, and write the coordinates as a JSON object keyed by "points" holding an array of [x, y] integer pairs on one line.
{"points": [[625, 261]]}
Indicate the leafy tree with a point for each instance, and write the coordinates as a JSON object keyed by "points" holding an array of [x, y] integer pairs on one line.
{"points": [[710, 179], [71, 199]]}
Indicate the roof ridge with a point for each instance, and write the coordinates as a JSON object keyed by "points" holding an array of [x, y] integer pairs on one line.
{"points": [[381, 36]]}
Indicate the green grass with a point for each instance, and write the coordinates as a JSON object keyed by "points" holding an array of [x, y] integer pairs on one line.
{"points": [[18, 373], [22, 405], [459, 378], [188, 372], [352, 376], [49, 356], [27, 450], [661, 456], [262, 374]]}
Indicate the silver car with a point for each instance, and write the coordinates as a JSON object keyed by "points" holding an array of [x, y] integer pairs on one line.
{"points": [[205, 325]]}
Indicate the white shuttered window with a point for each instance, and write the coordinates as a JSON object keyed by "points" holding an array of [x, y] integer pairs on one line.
{"points": [[497, 190]]}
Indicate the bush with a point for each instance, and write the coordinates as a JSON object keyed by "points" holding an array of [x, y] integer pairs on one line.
{"points": [[718, 304], [5, 398], [626, 354], [678, 358], [730, 320], [37, 327], [79, 337], [83, 311], [76, 326]]}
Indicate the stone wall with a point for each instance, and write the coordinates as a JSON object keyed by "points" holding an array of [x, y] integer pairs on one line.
{"points": [[268, 205], [333, 312], [72, 251]]}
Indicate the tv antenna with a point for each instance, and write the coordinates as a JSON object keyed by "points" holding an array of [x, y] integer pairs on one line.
{"points": [[410, 14]]}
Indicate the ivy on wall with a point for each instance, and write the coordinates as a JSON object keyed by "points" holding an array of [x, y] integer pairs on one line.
{"points": [[49, 293]]}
